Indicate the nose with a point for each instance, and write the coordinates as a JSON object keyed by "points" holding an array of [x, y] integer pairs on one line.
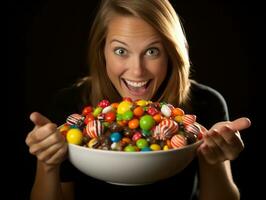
{"points": [[137, 66]]}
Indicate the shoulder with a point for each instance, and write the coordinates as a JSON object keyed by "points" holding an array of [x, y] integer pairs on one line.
{"points": [[208, 103], [206, 94]]}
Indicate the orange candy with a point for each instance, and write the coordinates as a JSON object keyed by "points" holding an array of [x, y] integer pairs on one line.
{"points": [[178, 112], [134, 123], [138, 111], [115, 105], [157, 118], [122, 123]]}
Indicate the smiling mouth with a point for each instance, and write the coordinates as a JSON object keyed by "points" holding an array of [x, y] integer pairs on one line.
{"points": [[137, 86]]}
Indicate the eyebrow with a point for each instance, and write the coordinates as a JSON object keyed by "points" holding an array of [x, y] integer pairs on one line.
{"points": [[114, 40], [152, 43]]}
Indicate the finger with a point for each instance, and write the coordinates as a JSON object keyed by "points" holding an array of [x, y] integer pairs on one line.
{"points": [[59, 156], [47, 142], [230, 149], [210, 142], [38, 119], [231, 136], [240, 124], [50, 152], [218, 139], [41, 133]]}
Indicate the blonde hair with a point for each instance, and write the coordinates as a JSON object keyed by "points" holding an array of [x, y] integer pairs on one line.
{"points": [[162, 17]]}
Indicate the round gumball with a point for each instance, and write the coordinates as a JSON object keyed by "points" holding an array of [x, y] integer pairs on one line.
{"points": [[74, 136], [115, 137], [104, 103], [133, 124], [146, 122], [138, 111], [123, 107], [110, 117], [142, 143], [86, 110]]}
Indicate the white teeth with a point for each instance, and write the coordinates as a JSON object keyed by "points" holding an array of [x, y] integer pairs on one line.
{"points": [[136, 84]]}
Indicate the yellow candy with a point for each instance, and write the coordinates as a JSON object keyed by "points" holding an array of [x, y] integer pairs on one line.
{"points": [[123, 107], [74, 136], [178, 118], [92, 143], [142, 103], [165, 148], [155, 147]]}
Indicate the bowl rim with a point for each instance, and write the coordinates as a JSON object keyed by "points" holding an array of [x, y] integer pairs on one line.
{"points": [[135, 152]]}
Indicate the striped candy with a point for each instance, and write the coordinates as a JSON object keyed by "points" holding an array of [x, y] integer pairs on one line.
{"points": [[189, 119], [74, 119], [192, 128], [166, 129], [94, 128], [178, 141]]}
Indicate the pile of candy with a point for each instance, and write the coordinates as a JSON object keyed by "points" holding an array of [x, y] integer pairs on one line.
{"points": [[132, 126]]}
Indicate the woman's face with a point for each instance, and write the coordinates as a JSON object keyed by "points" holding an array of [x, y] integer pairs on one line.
{"points": [[136, 60]]}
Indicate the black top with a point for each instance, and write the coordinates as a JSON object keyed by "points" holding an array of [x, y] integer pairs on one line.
{"points": [[206, 103]]}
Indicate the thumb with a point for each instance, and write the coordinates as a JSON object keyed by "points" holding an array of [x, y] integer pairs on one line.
{"points": [[241, 123], [38, 119]]}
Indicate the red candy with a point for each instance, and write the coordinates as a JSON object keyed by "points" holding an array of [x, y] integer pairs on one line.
{"points": [[158, 125]]}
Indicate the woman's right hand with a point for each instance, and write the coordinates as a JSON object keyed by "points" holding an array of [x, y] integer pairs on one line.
{"points": [[46, 142]]}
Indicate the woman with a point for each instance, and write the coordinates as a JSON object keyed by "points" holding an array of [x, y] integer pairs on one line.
{"points": [[138, 49]]}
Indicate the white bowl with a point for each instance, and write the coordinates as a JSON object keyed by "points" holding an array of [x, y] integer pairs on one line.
{"points": [[131, 168]]}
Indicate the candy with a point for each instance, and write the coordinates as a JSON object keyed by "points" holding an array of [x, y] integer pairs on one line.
{"points": [[74, 119], [189, 119], [94, 128], [166, 129], [142, 143], [146, 122], [178, 141], [74, 136], [123, 107], [166, 111], [132, 126]]}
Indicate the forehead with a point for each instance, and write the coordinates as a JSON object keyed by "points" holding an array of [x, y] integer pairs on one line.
{"points": [[126, 27]]}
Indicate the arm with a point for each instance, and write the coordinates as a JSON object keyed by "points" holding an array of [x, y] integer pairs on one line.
{"points": [[48, 145], [47, 185], [216, 181], [221, 144]]}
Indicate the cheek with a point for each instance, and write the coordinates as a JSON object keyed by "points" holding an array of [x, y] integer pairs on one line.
{"points": [[114, 67], [159, 70]]}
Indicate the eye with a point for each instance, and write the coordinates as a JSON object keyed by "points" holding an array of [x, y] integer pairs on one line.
{"points": [[152, 52], [120, 51]]}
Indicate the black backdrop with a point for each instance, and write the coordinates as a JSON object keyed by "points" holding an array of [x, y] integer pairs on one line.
{"points": [[47, 51]]}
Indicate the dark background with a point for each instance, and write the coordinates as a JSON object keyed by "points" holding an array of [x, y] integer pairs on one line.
{"points": [[47, 51]]}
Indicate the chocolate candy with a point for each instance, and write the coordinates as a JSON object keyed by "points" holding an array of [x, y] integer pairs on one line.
{"points": [[128, 125]]}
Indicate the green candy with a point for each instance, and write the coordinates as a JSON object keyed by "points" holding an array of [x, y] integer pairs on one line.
{"points": [[128, 115], [130, 148], [97, 111], [142, 143], [119, 117], [146, 122], [146, 133]]}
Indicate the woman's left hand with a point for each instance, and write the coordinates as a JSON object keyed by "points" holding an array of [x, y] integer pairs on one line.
{"points": [[223, 142]]}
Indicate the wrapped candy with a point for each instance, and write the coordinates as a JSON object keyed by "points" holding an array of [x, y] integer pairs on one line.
{"points": [[166, 129], [139, 125]]}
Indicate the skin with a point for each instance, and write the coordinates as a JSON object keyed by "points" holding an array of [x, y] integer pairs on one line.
{"points": [[136, 61], [134, 52]]}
